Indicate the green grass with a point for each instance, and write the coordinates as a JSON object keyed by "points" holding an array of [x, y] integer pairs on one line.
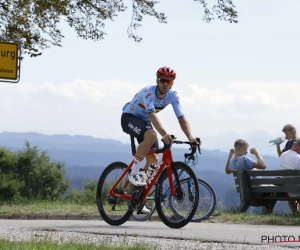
{"points": [[48, 245], [63, 208], [232, 217], [48, 207]]}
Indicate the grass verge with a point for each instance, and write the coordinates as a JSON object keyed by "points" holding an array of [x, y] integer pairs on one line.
{"points": [[63, 208], [48, 207], [232, 217], [43, 245]]}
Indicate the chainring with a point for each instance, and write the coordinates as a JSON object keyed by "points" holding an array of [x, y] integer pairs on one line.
{"points": [[137, 198]]}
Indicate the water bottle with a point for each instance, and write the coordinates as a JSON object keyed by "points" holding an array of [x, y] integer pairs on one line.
{"points": [[151, 169], [277, 141]]}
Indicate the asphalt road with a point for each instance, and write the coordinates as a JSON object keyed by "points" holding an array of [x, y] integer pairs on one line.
{"points": [[208, 232]]}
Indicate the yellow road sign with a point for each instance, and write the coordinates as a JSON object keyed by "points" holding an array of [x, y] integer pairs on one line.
{"points": [[9, 56]]}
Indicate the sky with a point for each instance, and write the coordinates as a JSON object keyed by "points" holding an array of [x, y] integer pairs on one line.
{"points": [[230, 77]]}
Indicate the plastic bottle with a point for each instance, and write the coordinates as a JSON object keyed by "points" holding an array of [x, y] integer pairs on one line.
{"points": [[277, 141], [151, 169]]}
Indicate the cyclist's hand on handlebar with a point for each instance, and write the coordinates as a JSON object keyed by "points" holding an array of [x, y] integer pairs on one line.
{"points": [[195, 142], [168, 139]]}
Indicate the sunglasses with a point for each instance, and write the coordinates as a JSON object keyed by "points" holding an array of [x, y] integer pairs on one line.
{"points": [[168, 81]]}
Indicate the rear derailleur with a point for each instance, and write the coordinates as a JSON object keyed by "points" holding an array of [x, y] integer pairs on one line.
{"points": [[112, 200]]}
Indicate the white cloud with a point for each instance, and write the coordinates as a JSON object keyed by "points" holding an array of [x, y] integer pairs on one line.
{"points": [[250, 97], [94, 107]]}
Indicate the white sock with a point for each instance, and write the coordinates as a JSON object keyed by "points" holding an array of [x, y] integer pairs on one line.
{"points": [[136, 165]]}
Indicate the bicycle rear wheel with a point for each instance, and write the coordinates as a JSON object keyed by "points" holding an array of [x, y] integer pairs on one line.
{"points": [[185, 200], [207, 201], [113, 210]]}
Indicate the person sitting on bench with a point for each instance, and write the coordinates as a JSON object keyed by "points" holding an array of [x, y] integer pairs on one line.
{"points": [[238, 160], [290, 159], [241, 161]]}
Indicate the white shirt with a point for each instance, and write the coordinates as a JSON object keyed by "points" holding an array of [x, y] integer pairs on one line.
{"points": [[289, 160]]}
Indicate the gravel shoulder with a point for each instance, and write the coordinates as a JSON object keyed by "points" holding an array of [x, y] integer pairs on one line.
{"points": [[37, 234]]}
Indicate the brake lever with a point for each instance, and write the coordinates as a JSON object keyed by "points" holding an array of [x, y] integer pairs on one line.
{"points": [[199, 141], [191, 158]]}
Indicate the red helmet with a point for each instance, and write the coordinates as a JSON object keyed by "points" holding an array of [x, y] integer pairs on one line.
{"points": [[167, 72]]}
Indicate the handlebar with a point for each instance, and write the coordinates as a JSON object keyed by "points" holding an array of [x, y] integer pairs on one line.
{"points": [[193, 146]]}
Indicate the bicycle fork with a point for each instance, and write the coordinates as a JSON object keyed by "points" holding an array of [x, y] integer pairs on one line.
{"points": [[177, 191]]}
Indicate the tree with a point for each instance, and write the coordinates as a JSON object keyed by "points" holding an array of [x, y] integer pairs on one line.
{"points": [[35, 22], [30, 174], [9, 185]]}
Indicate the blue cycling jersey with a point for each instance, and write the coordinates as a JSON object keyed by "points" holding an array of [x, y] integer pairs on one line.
{"points": [[146, 101]]}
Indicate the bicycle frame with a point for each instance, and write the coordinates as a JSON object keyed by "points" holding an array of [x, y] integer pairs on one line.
{"points": [[167, 160], [167, 192]]}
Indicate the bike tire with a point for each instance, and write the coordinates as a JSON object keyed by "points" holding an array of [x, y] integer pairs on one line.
{"points": [[183, 220], [212, 206], [100, 197], [196, 218]]}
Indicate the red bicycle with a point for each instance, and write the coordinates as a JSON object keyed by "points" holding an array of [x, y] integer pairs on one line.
{"points": [[117, 198]]}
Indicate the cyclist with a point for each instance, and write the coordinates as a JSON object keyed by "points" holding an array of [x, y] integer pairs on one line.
{"points": [[139, 117]]}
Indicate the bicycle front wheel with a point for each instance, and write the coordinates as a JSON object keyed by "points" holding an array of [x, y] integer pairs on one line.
{"points": [[185, 201], [113, 210]]}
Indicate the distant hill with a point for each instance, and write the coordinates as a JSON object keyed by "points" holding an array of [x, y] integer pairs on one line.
{"points": [[89, 151], [85, 158]]}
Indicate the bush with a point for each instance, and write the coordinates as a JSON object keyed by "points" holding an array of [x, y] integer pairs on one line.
{"points": [[30, 174], [88, 196]]}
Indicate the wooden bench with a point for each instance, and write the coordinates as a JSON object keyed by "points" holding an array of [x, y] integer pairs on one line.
{"points": [[274, 182]]}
